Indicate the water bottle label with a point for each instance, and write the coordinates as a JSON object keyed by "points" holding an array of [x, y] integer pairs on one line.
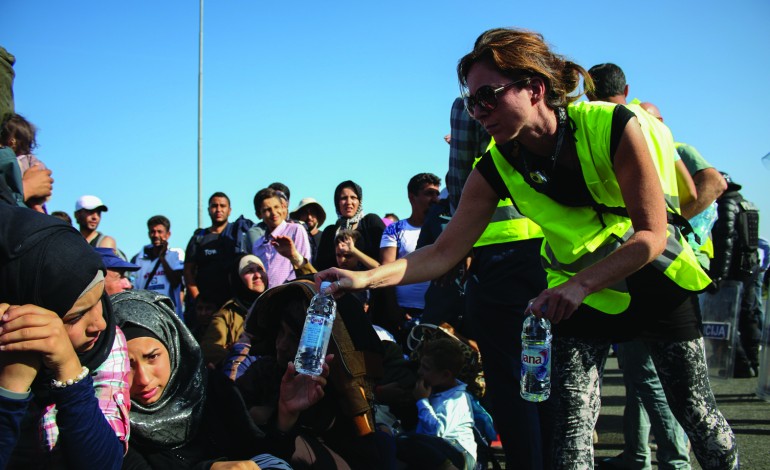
{"points": [[536, 360], [313, 335]]}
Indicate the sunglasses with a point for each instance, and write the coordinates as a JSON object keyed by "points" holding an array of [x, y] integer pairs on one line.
{"points": [[486, 97]]}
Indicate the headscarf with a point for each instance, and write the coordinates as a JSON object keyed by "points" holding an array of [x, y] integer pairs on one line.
{"points": [[45, 262], [344, 222], [173, 420], [243, 295]]}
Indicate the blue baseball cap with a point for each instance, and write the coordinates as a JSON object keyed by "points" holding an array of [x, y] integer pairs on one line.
{"points": [[113, 261]]}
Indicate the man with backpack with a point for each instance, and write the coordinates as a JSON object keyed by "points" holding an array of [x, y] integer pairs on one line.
{"points": [[211, 253]]}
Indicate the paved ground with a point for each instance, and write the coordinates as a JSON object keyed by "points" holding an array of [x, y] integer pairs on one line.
{"points": [[748, 415]]}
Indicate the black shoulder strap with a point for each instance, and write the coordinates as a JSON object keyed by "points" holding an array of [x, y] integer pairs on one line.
{"points": [[673, 218], [152, 273]]}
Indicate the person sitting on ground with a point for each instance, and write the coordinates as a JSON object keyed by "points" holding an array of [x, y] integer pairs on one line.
{"points": [[390, 218], [19, 134], [348, 253], [204, 309], [64, 365], [180, 417], [444, 435], [380, 304], [339, 429], [115, 279], [249, 281], [350, 257], [63, 216]]}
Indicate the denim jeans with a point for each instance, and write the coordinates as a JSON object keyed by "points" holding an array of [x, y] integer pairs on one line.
{"points": [[647, 409]]}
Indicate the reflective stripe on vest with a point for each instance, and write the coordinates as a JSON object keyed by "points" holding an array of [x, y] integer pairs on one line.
{"points": [[578, 237], [660, 143], [507, 223]]}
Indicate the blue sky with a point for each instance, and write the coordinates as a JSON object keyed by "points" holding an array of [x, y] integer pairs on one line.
{"points": [[313, 93]]}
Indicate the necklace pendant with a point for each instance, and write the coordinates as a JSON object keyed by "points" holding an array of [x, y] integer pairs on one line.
{"points": [[538, 177]]}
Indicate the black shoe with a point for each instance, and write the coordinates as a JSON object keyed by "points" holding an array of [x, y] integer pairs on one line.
{"points": [[744, 371], [612, 463]]}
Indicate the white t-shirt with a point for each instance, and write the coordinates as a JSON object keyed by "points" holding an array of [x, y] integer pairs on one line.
{"points": [[403, 236], [159, 282]]}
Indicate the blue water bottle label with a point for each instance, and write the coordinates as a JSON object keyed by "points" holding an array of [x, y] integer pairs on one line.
{"points": [[535, 359], [314, 331]]}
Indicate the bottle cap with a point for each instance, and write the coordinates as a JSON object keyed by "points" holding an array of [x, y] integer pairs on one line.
{"points": [[325, 285]]}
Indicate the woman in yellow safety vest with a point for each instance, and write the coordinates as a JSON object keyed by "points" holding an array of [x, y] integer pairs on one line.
{"points": [[617, 269]]}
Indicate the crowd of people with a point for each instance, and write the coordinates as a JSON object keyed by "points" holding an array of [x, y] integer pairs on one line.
{"points": [[586, 213]]}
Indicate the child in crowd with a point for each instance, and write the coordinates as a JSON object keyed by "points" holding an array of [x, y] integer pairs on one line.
{"points": [[351, 258], [20, 135], [348, 255], [444, 436]]}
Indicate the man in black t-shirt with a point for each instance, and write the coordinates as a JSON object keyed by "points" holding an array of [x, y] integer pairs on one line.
{"points": [[209, 255]]}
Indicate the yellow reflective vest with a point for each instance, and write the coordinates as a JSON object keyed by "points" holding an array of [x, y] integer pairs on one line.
{"points": [[578, 237], [507, 223], [660, 143]]}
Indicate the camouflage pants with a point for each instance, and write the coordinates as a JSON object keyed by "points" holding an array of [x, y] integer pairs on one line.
{"points": [[578, 366]]}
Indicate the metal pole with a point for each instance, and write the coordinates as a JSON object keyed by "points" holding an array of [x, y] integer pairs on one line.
{"points": [[200, 118]]}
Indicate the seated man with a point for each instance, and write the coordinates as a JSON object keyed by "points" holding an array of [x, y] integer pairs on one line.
{"points": [[115, 279], [343, 418]]}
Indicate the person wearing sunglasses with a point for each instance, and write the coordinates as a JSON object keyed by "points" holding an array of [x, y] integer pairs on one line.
{"points": [[616, 269]]}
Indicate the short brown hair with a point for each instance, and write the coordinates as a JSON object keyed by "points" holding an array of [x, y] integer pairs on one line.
{"points": [[446, 354], [354, 235], [159, 220]]}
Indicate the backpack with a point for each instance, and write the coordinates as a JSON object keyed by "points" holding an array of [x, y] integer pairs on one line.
{"points": [[278, 316], [747, 226], [237, 232]]}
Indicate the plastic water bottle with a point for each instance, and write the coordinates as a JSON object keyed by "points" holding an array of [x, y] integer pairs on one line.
{"points": [[701, 226], [316, 333], [536, 359]]}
